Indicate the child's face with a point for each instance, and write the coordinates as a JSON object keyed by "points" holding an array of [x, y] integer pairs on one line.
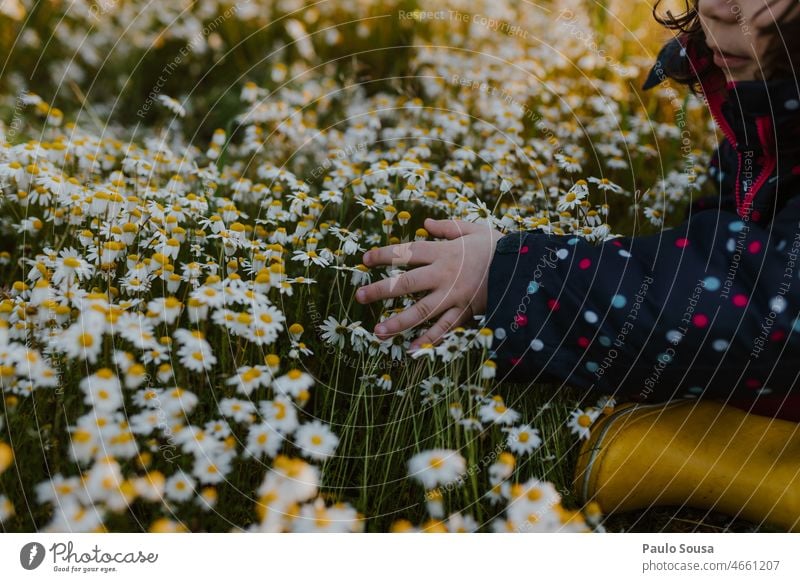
{"points": [[732, 32]]}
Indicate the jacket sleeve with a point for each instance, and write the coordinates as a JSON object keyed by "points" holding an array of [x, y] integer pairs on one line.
{"points": [[708, 307]]}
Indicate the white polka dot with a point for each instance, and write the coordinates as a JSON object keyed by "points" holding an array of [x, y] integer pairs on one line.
{"points": [[500, 333], [624, 253], [719, 345], [590, 316], [683, 52], [777, 304], [674, 336], [792, 104], [731, 245], [562, 253], [781, 245], [537, 345]]}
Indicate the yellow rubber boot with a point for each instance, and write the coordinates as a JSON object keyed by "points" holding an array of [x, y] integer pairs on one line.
{"points": [[700, 454]]}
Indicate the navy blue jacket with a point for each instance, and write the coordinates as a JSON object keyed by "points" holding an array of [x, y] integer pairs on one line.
{"points": [[709, 307]]}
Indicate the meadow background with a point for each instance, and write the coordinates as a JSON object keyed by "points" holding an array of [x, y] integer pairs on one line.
{"points": [[187, 190]]}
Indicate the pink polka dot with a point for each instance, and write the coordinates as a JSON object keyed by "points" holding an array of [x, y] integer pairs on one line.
{"points": [[700, 320], [754, 246], [521, 319], [584, 263], [752, 383], [616, 243], [514, 361], [583, 342], [755, 215], [523, 250], [553, 304], [682, 242], [796, 170], [739, 300], [777, 335]]}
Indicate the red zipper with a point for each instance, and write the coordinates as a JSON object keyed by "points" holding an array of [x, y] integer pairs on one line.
{"points": [[714, 101]]}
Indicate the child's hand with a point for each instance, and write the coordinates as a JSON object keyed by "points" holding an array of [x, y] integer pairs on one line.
{"points": [[455, 272]]}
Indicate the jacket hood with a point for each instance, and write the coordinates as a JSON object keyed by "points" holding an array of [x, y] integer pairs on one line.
{"points": [[759, 119]]}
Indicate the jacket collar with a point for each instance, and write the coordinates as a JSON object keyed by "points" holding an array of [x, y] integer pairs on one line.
{"points": [[760, 118]]}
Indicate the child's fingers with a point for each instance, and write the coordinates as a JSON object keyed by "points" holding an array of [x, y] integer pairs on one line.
{"points": [[413, 253], [449, 229], [427, 307], [415, 280], [449, 319]]}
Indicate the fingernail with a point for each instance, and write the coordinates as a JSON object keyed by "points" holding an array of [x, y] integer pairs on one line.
{"points": [[360, 295], [366, 258], [380, 329], [413, 347]]}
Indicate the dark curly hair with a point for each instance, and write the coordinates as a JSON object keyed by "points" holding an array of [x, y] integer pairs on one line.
{"points": [[779, 60]]}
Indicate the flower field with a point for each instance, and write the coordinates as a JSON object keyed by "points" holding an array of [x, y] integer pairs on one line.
{"points": [[187, 191]]}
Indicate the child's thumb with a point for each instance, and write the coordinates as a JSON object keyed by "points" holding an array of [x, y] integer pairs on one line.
{"points": [[448, 229]]}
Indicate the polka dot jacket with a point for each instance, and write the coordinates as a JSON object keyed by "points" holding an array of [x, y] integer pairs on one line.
{"points": [[708, 307]]}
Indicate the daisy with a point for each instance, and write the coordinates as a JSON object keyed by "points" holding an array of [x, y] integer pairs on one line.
{"points": [[568, 163], [605, 185], [250, 378], [238, 410], [310, 256], [280, 414], [316, 440], [436, 467], [83, 339], [211, 471], [102, 390], [293, 383], [580, 421], [654, 215], [523, 439], [164, 309], [503, 468], [179, 487], [262, 439], [172, 105], [195, 352], [70, 266], [574, 197], [495, 411]]}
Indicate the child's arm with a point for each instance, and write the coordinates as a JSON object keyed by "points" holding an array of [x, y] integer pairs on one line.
{"points": [[453, 271], [709, 306]]}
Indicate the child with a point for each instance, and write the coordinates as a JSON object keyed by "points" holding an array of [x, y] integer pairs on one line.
{"points": [[706, 309]]}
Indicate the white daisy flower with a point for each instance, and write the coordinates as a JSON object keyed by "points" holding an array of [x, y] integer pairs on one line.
{"points": [[316, 440], [436, 467]]}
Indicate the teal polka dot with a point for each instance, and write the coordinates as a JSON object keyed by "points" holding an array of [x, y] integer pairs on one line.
{"points": [[533, 287], [665, 358], [604, 340], [618, 300], [696, 389], [736, 226], [592, 366], [573, 241], [711, 283], [796, 325]]}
